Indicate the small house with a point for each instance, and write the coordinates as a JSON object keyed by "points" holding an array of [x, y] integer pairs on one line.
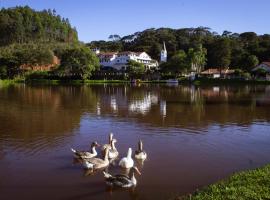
{"points": [[217, 73], [262, 71]]}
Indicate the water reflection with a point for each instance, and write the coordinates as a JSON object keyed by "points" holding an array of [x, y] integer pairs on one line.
{"points": [[53, 110], [216, 129]]}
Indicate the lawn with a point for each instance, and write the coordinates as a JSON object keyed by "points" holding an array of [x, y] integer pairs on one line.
{"points": [[248, 185]]}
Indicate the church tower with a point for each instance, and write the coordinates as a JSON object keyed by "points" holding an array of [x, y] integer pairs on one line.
{"points": [[163, 54]]}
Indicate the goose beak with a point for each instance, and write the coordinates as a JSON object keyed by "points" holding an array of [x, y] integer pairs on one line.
{"points": [[137, 170], [98, 145]]}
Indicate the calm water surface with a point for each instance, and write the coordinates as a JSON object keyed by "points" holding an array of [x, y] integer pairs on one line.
{"points": [[193, 136]]}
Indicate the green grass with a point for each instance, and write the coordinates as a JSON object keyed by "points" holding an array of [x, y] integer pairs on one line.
{"points": [[79, 82], [247, 185], [210, 81], [8, 82]]}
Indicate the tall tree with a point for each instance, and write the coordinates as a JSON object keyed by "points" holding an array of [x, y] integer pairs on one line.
{"points": [[78, 62], [197, 58], [220, 53]]}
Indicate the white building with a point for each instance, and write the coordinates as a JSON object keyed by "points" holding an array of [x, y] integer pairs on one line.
{"points": [[120, 60], [96, 51], [163, 54]]}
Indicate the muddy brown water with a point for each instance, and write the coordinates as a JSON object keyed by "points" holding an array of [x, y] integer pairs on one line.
{"points": [[194, 136]]}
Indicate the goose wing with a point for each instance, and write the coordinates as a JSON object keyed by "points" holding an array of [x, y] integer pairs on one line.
{"points": [[119, 181], [95, 161], [83, 154]]}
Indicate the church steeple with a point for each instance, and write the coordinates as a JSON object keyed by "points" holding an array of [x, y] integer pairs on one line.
{"points": [[163, 53]]}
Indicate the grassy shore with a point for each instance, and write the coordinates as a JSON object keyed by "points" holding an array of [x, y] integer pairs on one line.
{"points": [[79, 82], [200, 81], [211, 81], [247, 185]]}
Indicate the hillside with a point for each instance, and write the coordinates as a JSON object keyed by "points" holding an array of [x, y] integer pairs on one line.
{"points": [[235, 50], [24, 25]]}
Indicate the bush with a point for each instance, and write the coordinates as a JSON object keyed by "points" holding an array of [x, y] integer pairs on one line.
{"points": [[37, 75]]}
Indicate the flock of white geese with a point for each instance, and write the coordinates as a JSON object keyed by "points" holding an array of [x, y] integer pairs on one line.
{"points": [[90, 161]]}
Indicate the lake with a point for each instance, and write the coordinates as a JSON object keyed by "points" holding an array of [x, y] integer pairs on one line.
{"points": [[194, 136]]}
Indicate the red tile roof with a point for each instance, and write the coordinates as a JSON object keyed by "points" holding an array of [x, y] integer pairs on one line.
{"points": [[217, 71], [266, 63]]}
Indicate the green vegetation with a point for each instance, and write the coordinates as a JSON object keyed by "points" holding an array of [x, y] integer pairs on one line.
{"points": [[24, 25], [210, 50], [135, 69], [33, 38], [78, 62], [247, 185]]}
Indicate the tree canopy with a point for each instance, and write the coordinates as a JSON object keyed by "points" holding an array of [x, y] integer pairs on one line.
{"points": [[135, 69], [78, 62], [225, 50], [23, 25]]}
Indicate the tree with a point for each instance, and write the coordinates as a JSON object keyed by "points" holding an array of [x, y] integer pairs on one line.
{"points": [[220, 53], [177, 64], [23, 25], [78, 61], [197, 58], [114, 37], [250, 62], [135, 69]]}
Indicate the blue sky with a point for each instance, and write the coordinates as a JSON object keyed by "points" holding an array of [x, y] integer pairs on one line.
{"points": [[97, 19]]}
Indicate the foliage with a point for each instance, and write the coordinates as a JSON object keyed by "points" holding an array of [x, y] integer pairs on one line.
{"points": [[15, 55], [197, 58], [253, 184], [251, 62], [135, 69], [220, 53], [37, 75], [177, 64], [23, 25], [78, 62], [114, 37], [226, 50]]}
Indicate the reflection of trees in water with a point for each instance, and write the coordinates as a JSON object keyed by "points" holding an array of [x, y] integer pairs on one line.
{"points": [[50, 111], [186, 106], [27, 112]]}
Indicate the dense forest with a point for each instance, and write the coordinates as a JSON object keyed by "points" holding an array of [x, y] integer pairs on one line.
{"points": [[29, 37], [23, 24], [229, 49]]}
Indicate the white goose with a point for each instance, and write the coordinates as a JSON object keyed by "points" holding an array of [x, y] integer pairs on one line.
{"points": [[113, 153], [108, 145], [86, 154], [127, 162], [97, 163], [121, 180], [140, 154]]}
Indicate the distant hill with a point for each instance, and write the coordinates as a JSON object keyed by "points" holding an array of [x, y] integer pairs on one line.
{"points": [[24, 25], [234, 50]]}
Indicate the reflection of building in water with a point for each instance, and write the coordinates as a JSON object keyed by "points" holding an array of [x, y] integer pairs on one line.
{"points": [[216, 89], [195, 94], [98, 109], [143, 106], [163, 108], [113, 103]]}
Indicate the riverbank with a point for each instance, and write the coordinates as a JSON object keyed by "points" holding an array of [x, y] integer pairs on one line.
{"points": [[198, 82], [213, 81], [246, 185]]}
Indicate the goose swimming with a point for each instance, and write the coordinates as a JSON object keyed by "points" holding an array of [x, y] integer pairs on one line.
{"points": [[109, 144], [113, 153], [140, 154], [121, 180], [97, 163], [127, 162], [86, 154]]}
